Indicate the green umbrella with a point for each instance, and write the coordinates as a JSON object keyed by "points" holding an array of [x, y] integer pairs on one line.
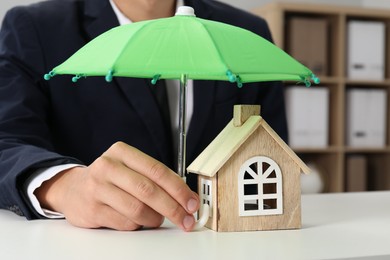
{"points": [[183, 47]]}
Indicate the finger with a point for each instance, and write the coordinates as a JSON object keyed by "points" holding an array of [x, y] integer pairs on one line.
{"points": [[129, 206], [158, 173], [105, 216], [110, 218], [152, 195]]}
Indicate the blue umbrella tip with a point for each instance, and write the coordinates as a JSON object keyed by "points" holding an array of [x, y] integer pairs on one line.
{"points": [[315, 79], [239, 82], [307, 79], [155, 78], [49, 75], [77, 77], [109, 76], [232, 78]]}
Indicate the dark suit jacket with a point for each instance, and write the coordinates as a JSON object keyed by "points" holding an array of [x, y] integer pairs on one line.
{"points": [[46, 123]]}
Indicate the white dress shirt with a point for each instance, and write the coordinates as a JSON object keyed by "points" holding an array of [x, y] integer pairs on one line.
{"points": [[173, 97]]}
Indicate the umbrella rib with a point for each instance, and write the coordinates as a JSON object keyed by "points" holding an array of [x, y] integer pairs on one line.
{"points": [[215, 47], [134, 36]]}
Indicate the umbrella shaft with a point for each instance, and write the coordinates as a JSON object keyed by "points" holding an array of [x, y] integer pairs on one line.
{"points": [[182, 126]]}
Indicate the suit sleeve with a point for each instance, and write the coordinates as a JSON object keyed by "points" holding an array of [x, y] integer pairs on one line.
{"points": [[25, 144]]}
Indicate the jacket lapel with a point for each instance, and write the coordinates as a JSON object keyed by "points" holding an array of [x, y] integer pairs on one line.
{"points": [[201, 9], [140, 97], [204, 94], [99, 18]]}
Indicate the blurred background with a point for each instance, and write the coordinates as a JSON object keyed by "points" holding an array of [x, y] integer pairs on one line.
{"points": [[244, 4], [341, 127]]}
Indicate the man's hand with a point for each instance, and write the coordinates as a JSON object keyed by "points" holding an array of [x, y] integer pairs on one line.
{"points": [[124, 189]]}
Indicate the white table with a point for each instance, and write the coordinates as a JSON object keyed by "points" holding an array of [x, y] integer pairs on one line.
{"points": [[335, 226]]}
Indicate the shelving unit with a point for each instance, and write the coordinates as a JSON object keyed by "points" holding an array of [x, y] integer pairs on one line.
{"points": [[332, 159]]}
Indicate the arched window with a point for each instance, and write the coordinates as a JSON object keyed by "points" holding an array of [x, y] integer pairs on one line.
{"points": [[260, 187]]}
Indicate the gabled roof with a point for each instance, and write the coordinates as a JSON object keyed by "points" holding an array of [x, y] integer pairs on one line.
{"points": [[218, 152]]}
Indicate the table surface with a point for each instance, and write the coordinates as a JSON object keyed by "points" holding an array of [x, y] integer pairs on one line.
{"points": [[334, 226]]}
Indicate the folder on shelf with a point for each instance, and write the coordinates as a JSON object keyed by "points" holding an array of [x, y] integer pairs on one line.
{"points": [[307, 116], [308, 42], [356, 173], [366, 50], [366, 117]]}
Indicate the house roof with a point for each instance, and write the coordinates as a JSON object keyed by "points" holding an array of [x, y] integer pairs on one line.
{"points": [[218, 152]]}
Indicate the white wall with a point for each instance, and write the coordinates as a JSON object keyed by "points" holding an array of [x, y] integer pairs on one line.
{"points": [[376, 3], [248, 4], [7, 4], [244, 4]]}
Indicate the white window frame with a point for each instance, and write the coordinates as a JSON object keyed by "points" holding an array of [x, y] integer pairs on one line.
{"points": [[206, 193], [260, 180]]}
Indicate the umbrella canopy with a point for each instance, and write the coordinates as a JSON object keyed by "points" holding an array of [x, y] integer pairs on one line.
{"points": [[183, 47], [167, 48]]}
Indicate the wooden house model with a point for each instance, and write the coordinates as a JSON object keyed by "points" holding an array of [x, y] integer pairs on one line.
{"points": [[249, 177]]}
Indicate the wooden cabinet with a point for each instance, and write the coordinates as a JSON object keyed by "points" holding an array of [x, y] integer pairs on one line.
{"points": [[332, 159]]}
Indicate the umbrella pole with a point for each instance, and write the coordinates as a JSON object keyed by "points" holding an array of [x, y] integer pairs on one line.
{"points": [[181, 168]]}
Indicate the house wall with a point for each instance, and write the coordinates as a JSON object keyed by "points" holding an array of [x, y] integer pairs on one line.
{"points": [[212, 221], [259, 144]]}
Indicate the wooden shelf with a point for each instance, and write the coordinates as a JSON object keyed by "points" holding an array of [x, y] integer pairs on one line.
{"points": [[366, 83], [330, 149], [333, 158], [365, 150]]}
